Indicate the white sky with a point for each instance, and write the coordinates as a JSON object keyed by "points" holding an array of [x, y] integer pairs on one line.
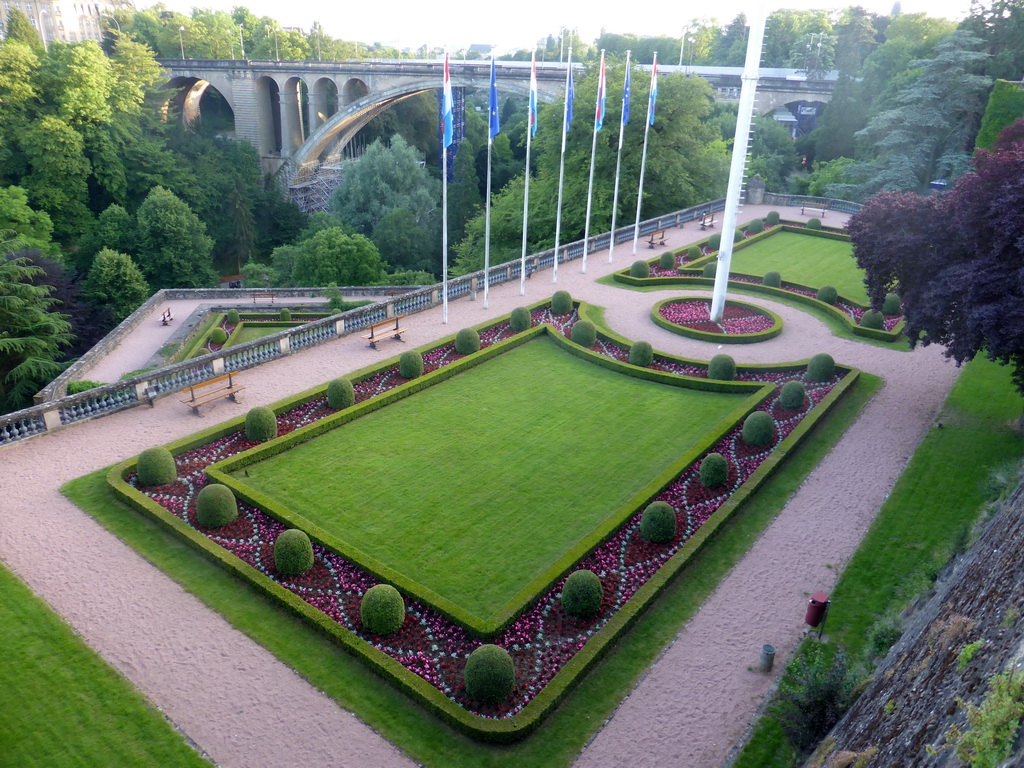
{"points": [[460, 23]]}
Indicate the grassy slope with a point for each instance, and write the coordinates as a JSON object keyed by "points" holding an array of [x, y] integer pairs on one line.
{"points": [[63, 705]]}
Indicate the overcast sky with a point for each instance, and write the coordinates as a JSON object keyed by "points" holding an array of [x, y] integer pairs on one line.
{"points": [[518, 24]]}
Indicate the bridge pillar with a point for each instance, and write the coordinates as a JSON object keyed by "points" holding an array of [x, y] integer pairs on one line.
{"points": [[291, 117]]}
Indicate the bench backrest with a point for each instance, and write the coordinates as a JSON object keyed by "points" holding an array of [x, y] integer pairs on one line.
{"points": [[220, 379]]}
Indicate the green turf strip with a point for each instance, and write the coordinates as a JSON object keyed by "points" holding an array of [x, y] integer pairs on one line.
{"points": [[63, 706], [252, 331], [475, 486]]}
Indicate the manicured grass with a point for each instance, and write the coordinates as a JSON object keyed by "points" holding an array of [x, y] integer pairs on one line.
{"points": [[475, 486], [252, 331], [63, 706], [395, 716]]}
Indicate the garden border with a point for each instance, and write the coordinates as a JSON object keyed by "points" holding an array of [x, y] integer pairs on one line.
{"points": [[711, 336]]}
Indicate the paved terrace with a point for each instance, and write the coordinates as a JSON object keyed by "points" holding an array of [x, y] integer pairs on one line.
{"points": [[689, 709]]}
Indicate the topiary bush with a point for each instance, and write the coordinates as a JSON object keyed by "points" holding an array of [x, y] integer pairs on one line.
{"points": [[667, 260], [520, 319], [828, 294], [340, 394], [218, 336], [694, 252], [285, 314], [216, 506], [892, 304], [792, 396], [561, 303], [293, 553], [382, 610], [715, 242], [873, 319], [722, 367], [156, 467], [738, 235], [714, 470], [410, 365], [710, 269], [641, 353], [583, 333], [772, 279], [772, 218], [658, 523], [490, 674], [821, 367], [814, 223], [639, 268], [233, 317], [467, 341], [582, 594], [755, 227], [758, 429], [260, 424]]}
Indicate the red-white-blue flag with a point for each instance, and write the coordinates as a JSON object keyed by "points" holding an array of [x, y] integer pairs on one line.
{"points": [[492, 103], [447, 107], [601, 91], [533, 95], [654, 90]]}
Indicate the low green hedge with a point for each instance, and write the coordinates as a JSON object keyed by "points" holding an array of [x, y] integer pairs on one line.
{"points": [[719, 338]]}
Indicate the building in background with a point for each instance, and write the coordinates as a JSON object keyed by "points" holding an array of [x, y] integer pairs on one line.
{"points": [[63, 20]]}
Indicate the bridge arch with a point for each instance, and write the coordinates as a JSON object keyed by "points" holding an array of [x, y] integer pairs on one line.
{"points": [[190, 95], [323, 103], [353, 90]]}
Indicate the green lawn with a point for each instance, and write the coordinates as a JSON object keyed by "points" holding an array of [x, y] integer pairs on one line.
{"points": [[811, 261], [63, 706], [252, 331], [475, 486]]}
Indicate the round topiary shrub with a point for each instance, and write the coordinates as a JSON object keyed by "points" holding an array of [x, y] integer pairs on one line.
{"points": [[710, 269], [583, 333], [772, 218], [520, 319], [714, 470], [340, 394], [233, 317], [156, 467], [814, 223], [218, 336], [755, 227], [640, 268], [410, 365], [738, 235], [582, 594], [772, 279], [293, 553], [758, 429], [285, 315], [467, 341], [821, 367], [828, 294], [715, 242], [382, 610], [260, 424], [722, 367], [490, 674], [641, 353], [873, 319], [561, 303], [667, 260], [216, 506], [658, 523], [892, 304], [792, 396], [693, 252]]}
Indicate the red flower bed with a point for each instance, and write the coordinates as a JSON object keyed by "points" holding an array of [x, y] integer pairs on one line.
{"points": [[736, 320]]}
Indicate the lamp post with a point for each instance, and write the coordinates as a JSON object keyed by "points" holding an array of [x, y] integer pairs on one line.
{"points": [[691, 40], [682, 45], [181, 41], [241, 40]]}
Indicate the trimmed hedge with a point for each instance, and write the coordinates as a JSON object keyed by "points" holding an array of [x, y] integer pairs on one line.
{"points": [[694, 252], [638, 268], [772, 218], [293, 553], [561, 303], [714, 470], [658, 523], [582, 594], [520, 319], [792, 396], [821, 367], [583, 333], [218, 336], [715, 242], [828, 294], [410, 365], [873, 319], [285, 314], [490, 674], [667, 260], [260, 424], [467, 341], [156, 467], [755, 227], [710, 269], [216, 506], [814, 223], [772, 279], [722, 367], [382, 610], [340, 394], [641, 353], [892, 304], [758, 429], [233, 317]]}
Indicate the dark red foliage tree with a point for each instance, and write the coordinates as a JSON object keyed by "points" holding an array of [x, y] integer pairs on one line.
{"points": [[956, 259]]}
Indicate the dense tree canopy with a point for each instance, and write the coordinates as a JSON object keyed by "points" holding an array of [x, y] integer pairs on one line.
{"points": [[334, 256], [173, 247]]}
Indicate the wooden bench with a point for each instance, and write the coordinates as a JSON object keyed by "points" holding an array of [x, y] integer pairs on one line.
{"points": [[208, 391], [821, 207], [257, 295], [707, 220], [167, 317], [658, 236], [394, 332]]}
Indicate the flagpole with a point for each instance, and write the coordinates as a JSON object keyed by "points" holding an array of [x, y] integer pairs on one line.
{"points": [[643, 157], [598, 123], [623, 119], [448, 130], [561, 164], [492, 118], [531, 128]]}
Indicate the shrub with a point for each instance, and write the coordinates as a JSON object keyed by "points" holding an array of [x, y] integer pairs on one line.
{"points": [[892, 304], [813, 694], [639, 268], [722, 367], [216, 506], [756, 226], [658, 523], [293, 553], [520, 319], [233, 317], [714, 470], [74, 387], [218, 336], [772, 279], [410, 365], [694, 252], [490, 674], [772, 218], [758, 429], [828, 294], [738, 235], [561, 303], [883, 635], [582, 594], [814, 223], [382, 610], [792, 396], [710, 269], [821, 367], [260, 424], [340, 394], [156, 467], [715, 242], [873, 319], [641, 353], [467, 341], [667, 260], [583, 333], [285, 314]]}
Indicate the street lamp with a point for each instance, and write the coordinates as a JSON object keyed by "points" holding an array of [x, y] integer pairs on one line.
{"points": [[241, 40], [691, 40], [682, 41], [181, 41]]}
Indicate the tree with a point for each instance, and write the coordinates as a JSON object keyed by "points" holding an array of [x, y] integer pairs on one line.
{"points": [[402, 243], [113, 229], [772, 153], [57, 180], [31, 229], [115, 282], [332, 256], [20, 30], [464, 199], [174, 249]]}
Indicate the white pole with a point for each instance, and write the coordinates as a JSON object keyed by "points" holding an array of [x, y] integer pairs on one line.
{"points": [[530, 129], [444, 232], [598, 118], [623, 119], [748, 89], [487, 220], [643, 155], [561, 165]]}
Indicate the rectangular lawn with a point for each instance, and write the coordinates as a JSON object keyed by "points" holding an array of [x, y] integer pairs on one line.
{"points": [[476, 485]]}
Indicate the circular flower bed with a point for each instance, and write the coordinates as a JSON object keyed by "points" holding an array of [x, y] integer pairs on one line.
{"points": [[740, 324]]}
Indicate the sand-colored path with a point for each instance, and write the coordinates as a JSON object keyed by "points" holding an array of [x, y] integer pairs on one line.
{"points": [[694, 702]]}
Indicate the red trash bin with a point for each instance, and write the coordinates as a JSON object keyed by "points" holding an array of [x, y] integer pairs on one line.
{"points": [[816, 609]]}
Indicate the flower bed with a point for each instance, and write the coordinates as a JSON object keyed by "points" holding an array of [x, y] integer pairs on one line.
{"points": [[740, 323]]}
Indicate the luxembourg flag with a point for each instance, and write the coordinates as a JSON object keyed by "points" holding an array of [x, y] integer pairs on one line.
{"points": [[654, 90], [448, 106], [533, 95], [601, 90]]}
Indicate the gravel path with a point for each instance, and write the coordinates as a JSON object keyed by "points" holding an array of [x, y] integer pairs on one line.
{"points": [[689, 709]]}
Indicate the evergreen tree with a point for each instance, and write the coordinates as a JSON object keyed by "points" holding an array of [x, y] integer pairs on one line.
{"points": [[20, 30]]}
